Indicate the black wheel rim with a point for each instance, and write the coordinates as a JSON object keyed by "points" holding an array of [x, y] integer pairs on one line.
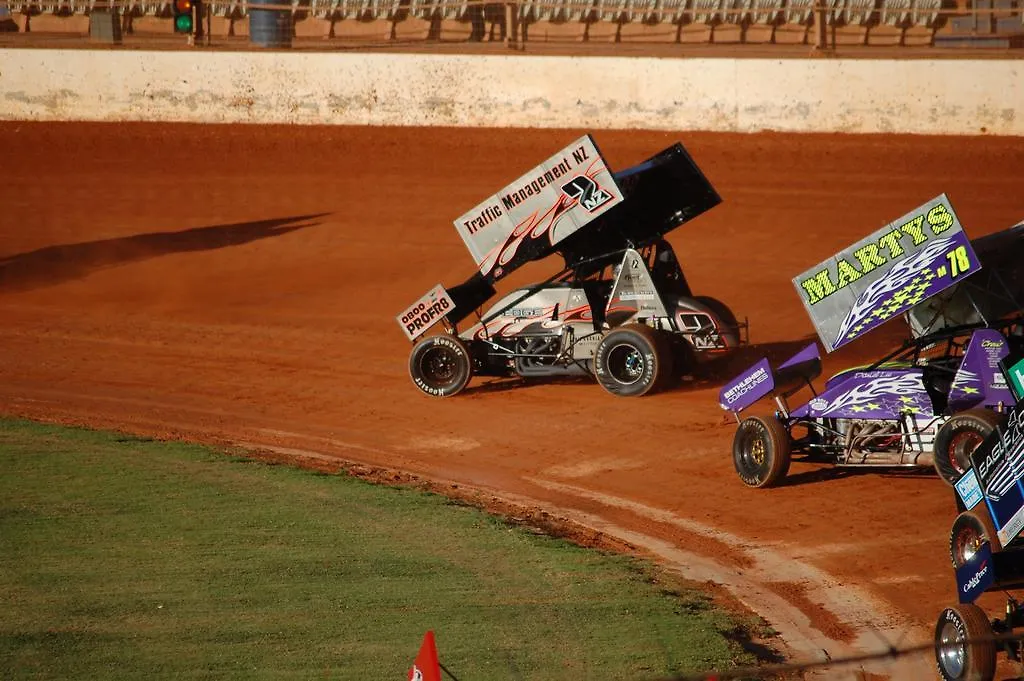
{"points": [[753, 454], [626, 364], [439, 366]]}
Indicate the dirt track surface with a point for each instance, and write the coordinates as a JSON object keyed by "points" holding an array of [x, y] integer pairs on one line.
{"points": [[239, 284]]}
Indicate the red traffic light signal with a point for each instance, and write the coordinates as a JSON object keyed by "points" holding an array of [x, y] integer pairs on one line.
{"points": [[183, 21]]}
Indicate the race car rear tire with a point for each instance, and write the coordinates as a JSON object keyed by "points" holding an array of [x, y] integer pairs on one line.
{"points": [[956, 659], [959, 437], [761, 451], [440, 366], [721, 310], [969, 530], [633, 360]]}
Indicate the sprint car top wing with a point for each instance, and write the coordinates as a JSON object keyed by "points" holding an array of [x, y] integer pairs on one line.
{"points": [[995, 293], [527, 219], [882, 276], [660, 194]]}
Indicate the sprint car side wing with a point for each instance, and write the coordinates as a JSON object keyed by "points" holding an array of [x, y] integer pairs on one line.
{"points": [[761, 380]]}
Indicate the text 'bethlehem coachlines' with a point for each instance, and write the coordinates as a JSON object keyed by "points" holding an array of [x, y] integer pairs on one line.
{"points": [[514, 198]]}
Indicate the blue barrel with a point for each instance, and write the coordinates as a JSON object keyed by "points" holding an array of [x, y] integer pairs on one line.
{"points": [[269, 27]]}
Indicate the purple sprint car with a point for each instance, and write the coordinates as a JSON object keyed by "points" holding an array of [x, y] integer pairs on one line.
{"points": [[928, 403]]}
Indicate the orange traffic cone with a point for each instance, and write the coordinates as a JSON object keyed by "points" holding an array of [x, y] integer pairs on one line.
{"points": [[426, 667]]}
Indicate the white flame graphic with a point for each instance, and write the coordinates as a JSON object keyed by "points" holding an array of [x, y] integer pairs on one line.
{"points": [[903, 384], [899, 276]]}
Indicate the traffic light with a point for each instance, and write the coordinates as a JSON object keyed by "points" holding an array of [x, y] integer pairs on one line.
{"points": [[183, 22]]}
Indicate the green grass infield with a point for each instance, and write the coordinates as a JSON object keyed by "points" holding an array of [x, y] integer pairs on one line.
{"points": [[125, 558]]}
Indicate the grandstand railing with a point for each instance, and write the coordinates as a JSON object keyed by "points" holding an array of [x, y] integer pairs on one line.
{"points": [[1002, 19]]}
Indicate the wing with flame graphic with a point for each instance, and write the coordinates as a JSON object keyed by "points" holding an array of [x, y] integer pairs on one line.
{"points": [[905, 285]]}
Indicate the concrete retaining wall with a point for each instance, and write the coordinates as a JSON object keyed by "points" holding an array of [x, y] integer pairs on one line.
{"points": [[959, 97]]}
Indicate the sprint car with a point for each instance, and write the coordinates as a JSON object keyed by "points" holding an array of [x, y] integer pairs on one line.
{"points": [[986, 549], [928, 403], [620, 307]]}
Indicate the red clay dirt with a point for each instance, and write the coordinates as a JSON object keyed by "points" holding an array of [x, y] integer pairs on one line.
{"points": [[235, 284]]}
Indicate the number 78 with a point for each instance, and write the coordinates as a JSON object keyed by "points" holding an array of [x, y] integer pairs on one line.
{"points": [[959, 262]]}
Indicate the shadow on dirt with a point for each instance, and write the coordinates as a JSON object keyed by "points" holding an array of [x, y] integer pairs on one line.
{"points": [[710, 374], [57, 264], [829, 472], [501, 385], [715, 372], [764, 654]]}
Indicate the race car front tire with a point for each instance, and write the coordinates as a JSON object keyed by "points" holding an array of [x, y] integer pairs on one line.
{"points": [[959, 437], [964, 650], [969, 531], [633, 360], [761, 451], [440, 366]]}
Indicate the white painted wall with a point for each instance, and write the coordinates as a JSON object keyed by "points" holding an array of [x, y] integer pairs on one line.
{"points": [[962, 97]]}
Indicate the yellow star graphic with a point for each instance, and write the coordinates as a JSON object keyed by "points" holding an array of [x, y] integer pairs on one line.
{"points": [[907, 400], [875, 407], [969, 390], [856, 409]]}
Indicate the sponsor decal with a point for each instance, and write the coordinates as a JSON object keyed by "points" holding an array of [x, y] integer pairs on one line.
{"points": [[558, 170], [976, 575], [999, 462], [746, 385], [425, 312], [888, 245], [486, 216], [584, 190], [904, 263], [818, 404], [974, 581], [969, 489], [1016, 373], [1008, 532], [524, 312], [709, 342], [526, 219]]}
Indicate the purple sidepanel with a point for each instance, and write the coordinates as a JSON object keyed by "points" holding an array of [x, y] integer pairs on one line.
{"points": [[748, 387], [978, 381], [807, 354], [877, 394]]}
